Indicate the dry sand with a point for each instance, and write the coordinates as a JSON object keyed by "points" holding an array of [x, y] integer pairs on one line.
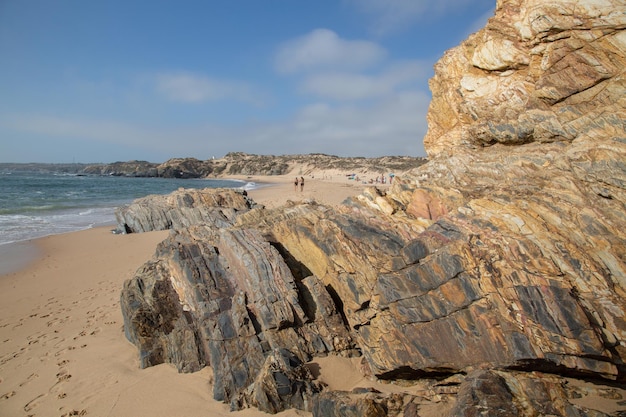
{"points": [[62, 346]]}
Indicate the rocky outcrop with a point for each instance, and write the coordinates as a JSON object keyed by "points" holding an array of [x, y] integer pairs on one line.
{"points": [[124, 169], [499, 266], [239, 163], [226, 297], [538, 72], [182, 208]]}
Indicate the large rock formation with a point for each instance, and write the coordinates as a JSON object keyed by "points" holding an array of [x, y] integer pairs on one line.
{"points": [[539, 72], [500, 264]]}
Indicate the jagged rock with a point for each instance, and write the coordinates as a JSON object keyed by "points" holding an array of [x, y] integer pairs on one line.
{"points": [[226, 297], [540, 71], [503, 394], [362, 403], [182, 208], [282, 383]]}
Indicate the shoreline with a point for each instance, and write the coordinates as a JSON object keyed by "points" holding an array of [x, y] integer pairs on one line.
{"points": [[62, 344], [271, 191]]}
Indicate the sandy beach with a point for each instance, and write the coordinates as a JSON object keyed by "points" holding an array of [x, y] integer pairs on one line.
{"points": [[62, 346]]}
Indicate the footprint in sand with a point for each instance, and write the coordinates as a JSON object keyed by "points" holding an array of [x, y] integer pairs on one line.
{"points": [[60, 352], [6, 358], [33, 403], [82, 333], [74, 413], [29, 379], [7, 395], [62, 376]]}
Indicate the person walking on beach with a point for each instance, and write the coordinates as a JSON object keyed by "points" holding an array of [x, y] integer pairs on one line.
{"points": [[295, 184], [301, 184]]}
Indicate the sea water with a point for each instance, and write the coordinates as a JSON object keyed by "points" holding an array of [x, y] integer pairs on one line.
{"points": [[34, 204]]}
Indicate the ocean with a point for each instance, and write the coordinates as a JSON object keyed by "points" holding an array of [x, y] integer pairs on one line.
{"points": [[34, 204]]}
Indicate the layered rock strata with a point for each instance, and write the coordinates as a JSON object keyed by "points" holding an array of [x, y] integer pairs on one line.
{"points": [[499, 266], [182, 208]]}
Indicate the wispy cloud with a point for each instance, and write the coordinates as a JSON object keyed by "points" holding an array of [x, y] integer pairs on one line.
{"points": [[364, 102], [351, 86], [188, 87], [395, 121], [393, 15], [324, 49], [393, 125]]}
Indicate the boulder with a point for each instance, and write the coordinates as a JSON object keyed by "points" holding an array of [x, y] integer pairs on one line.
{"points": [[182, 208], [282, 383], [496, 393], [227, 298]]}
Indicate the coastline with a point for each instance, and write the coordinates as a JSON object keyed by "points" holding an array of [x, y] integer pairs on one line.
{"points": [[62, 345]]}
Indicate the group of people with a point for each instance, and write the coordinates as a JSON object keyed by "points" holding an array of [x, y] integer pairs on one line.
{"points": [[299, 181]]}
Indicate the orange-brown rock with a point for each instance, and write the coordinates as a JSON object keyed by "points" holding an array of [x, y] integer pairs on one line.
{"points": [[540, 71]]}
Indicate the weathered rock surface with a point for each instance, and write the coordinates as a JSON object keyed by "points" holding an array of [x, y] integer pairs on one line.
{"points": [[283, 382], [501, 262], [511, 394], [182, 208], [344, 404], [540, 71], [225, 297]]}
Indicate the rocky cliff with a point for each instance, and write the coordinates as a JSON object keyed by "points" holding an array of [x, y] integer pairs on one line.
{"points": [[494, 276]]}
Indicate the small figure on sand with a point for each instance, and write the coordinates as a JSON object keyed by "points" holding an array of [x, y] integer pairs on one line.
{"points": [[301, 184], [295, 184]]}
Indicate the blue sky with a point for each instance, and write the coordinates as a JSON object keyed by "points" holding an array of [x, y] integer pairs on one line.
{"points": [[104, 81]]}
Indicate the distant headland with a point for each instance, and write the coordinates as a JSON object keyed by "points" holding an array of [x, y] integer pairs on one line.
{"points": [[233, 163]]}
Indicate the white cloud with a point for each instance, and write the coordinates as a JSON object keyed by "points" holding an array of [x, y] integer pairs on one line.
{"points": [[391, 15], [393, 126], [324, 49], [193, 88], [345, 86], [349, 86]]}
